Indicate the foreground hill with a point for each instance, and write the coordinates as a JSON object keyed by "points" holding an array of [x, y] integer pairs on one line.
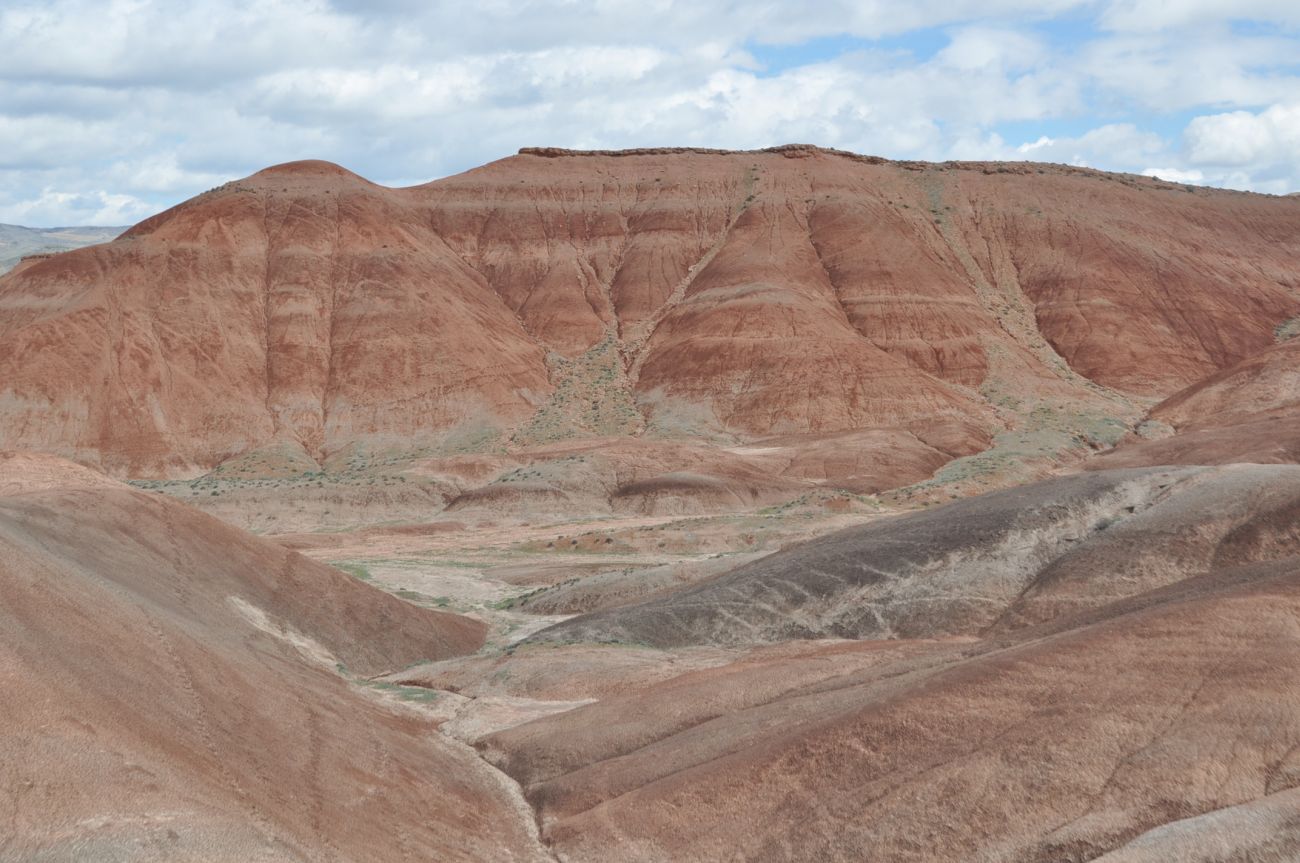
{"points": [[1162, 728], [724, 296], [1099, 664], [172, 692]]}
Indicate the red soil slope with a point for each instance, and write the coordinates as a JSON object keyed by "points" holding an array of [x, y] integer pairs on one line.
{"points": [[1055, 673], [1249, 412], [171, 693], [781, 292], [1034, 750]]}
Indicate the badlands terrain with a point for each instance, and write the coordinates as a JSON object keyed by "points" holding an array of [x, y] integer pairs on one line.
{"points": [[658, 505]]}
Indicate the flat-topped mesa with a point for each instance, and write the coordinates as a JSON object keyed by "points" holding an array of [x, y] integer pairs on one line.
{"points": [[792, 151], [804, 151], [735, 295]]}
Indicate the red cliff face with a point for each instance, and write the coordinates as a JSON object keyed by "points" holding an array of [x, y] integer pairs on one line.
{"points": [[787, 291]]}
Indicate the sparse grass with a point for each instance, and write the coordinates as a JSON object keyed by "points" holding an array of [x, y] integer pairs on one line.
{"points": [[1045, 432], [592, 396], [415, 694], [627, 645], [519, 600], [421, 562], [356, 570]]}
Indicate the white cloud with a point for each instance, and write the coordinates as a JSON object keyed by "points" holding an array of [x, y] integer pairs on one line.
{"points": [[1175, 70], [1175, 175], [160, 173], [113, 107], [976, 48], [1119, 146], [1256, 151], [178, 45], [54, 208], [1164, 14], [1240, 138], [50, 140]]}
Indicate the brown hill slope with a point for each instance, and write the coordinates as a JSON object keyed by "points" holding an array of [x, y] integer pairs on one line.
{"points": [[1163, 724], [990, 563], [745, 294], [299, 304], [1249, 412], [1054, 673], [171, 693]]}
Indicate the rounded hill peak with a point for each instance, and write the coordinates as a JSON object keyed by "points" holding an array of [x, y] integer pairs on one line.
{"points": [[307, 168]]}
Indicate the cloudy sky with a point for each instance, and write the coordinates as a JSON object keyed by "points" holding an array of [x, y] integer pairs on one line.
{"points": [[114, 109]]}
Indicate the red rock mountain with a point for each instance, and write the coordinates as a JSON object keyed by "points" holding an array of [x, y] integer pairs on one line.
{"points": [[746, 294]]}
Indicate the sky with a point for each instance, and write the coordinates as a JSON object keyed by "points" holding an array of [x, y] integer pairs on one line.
{"points": [[111, 110]]}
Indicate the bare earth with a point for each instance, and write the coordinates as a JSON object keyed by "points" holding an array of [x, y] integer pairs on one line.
{"points": [[656, 506]]}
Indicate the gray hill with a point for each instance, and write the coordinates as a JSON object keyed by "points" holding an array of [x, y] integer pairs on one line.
{"points": [[17, 241]]}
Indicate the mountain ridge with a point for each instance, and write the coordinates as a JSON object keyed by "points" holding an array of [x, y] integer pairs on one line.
{"points": [[356, 315]]}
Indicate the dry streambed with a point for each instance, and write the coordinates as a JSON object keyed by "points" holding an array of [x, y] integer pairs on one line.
{"points": [[522, 579]]}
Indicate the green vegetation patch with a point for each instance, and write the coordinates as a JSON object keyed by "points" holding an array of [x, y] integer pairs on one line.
{"points": [[356, 570], [592, 397]]}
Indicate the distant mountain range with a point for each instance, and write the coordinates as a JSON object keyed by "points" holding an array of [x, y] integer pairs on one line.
{"points": [[17, 241]]}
